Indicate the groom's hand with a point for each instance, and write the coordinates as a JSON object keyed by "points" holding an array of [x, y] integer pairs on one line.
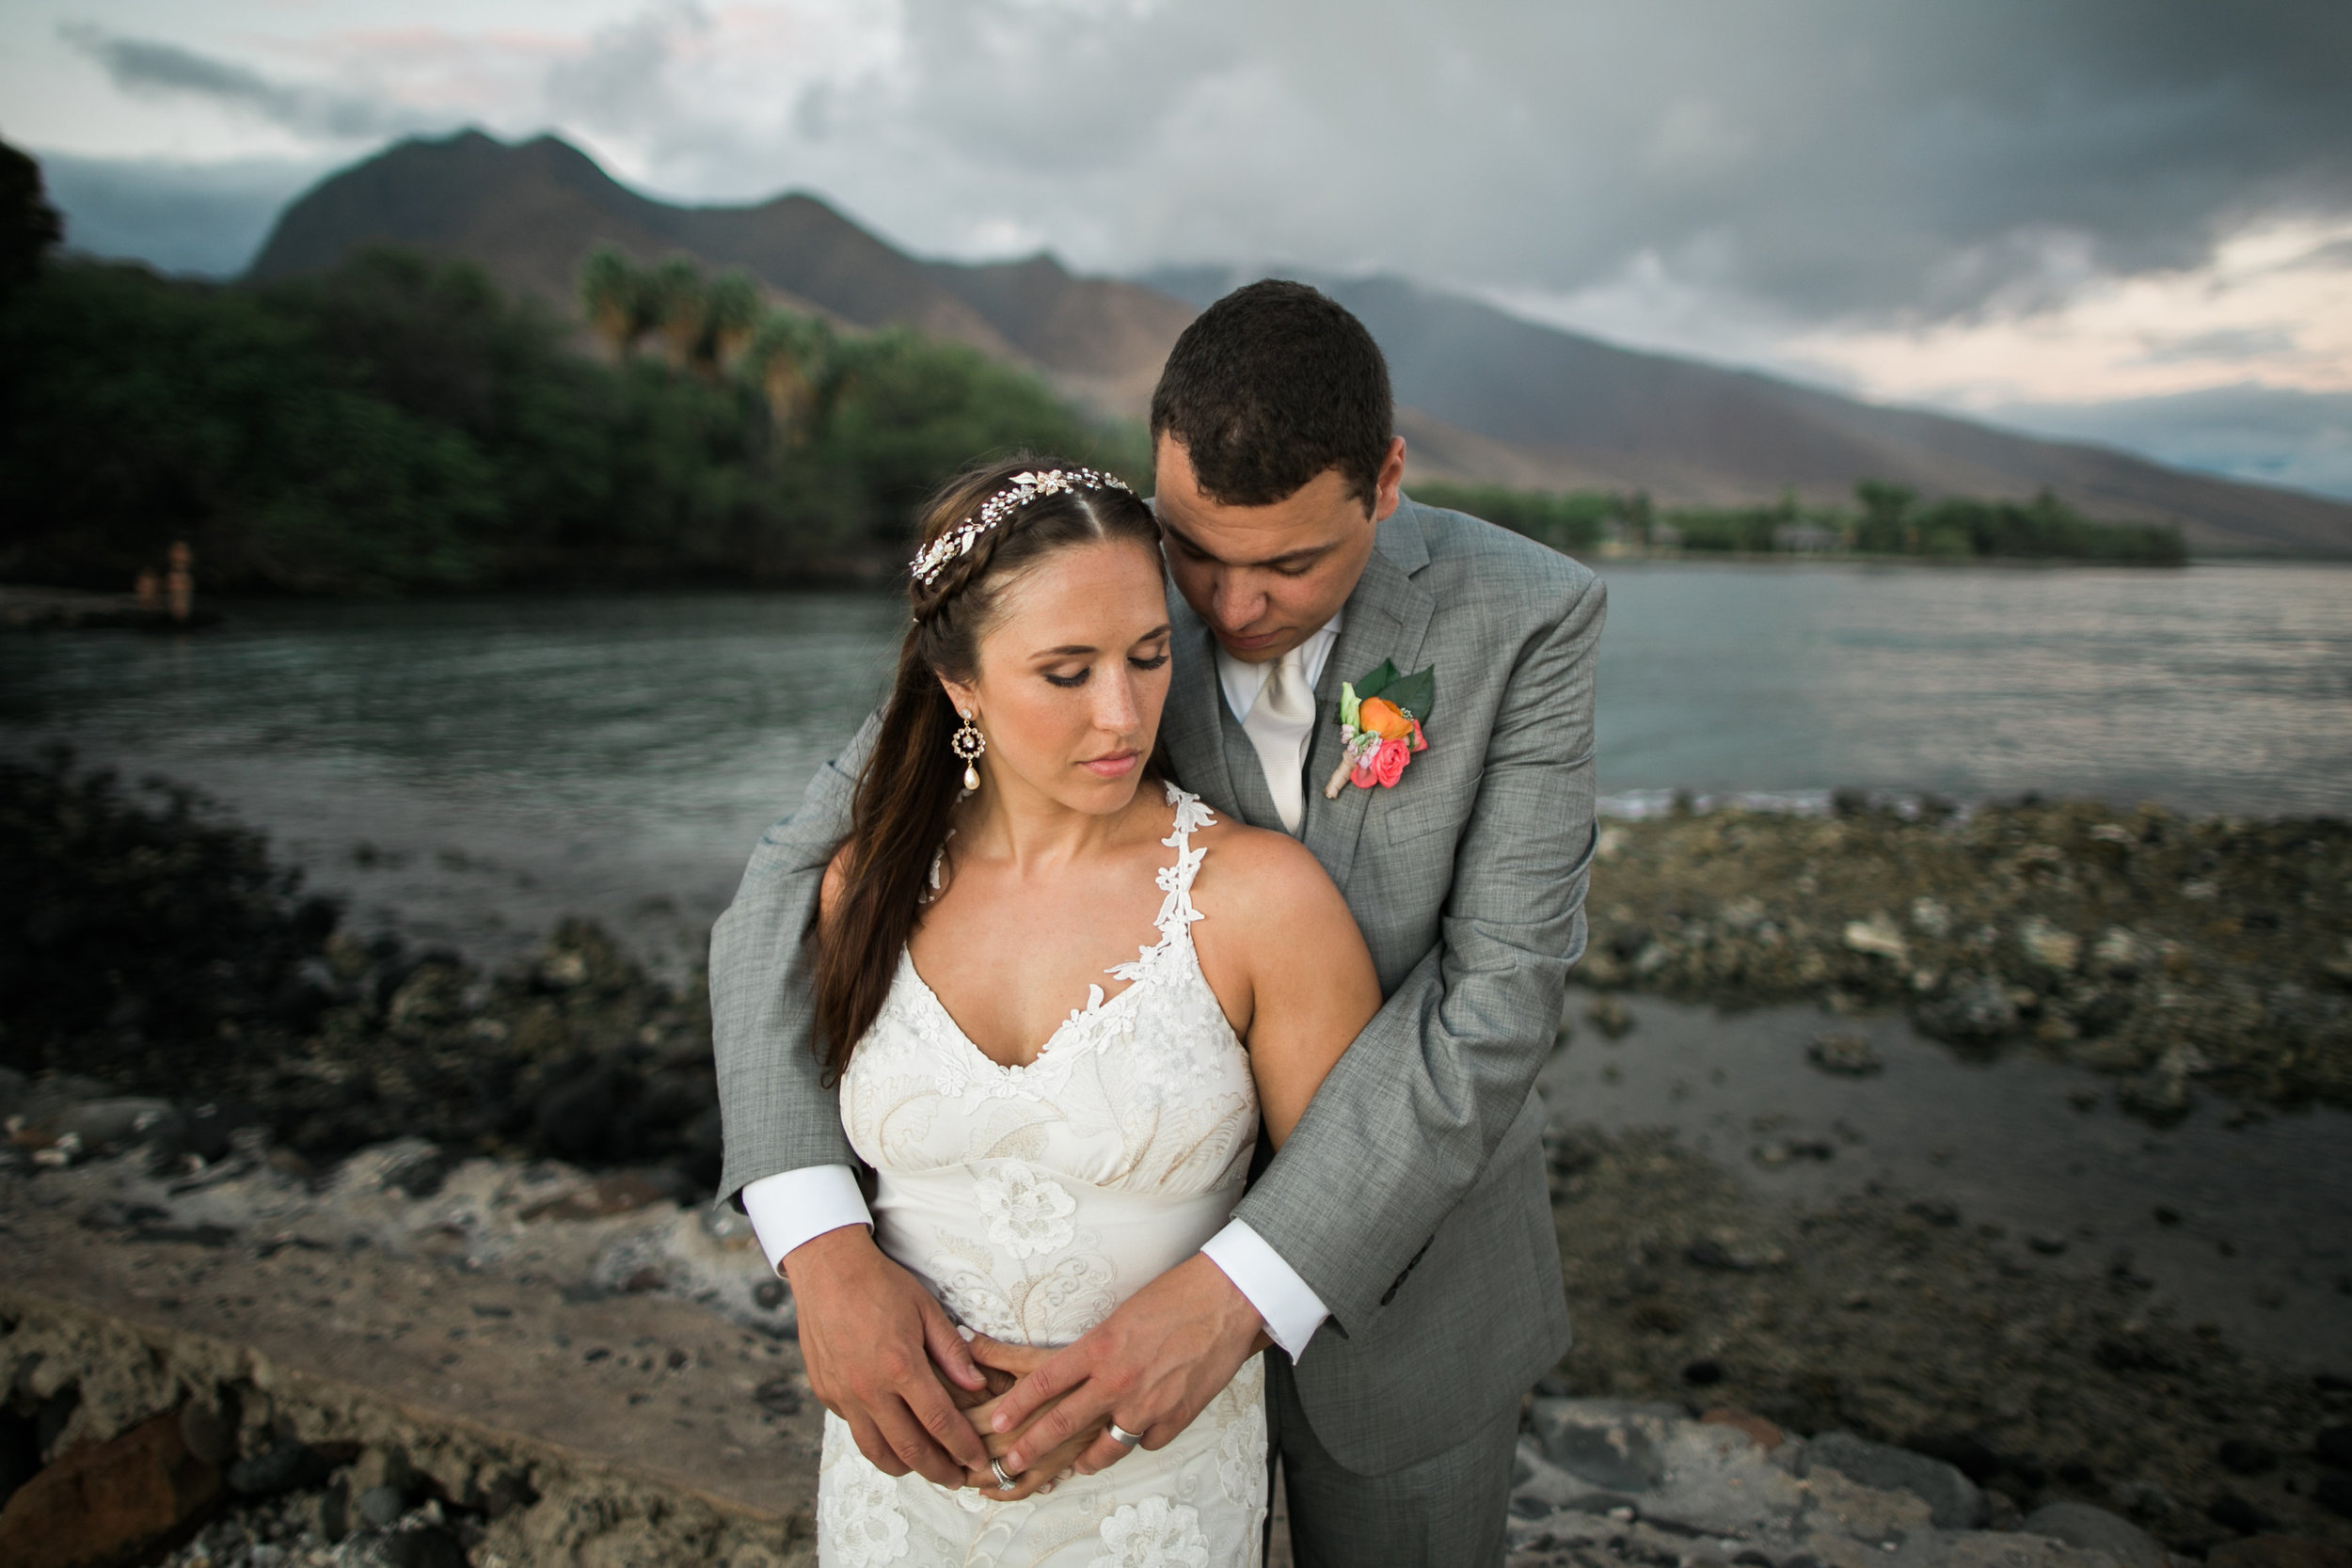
{"points": [[874, 1343], [1151, 1366]]}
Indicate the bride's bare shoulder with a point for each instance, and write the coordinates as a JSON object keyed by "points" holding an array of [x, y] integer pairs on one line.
{"points": [[1269, 880]]}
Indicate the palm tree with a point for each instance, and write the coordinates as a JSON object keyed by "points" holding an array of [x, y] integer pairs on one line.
{"points": [[730, 316], [680, 300], [614, 294], [794, 358]]}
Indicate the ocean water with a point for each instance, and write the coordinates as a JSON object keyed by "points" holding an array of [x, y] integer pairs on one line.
{"points": [[467, 770]]}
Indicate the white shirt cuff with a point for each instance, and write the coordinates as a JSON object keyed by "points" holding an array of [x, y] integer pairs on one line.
{"points": [[792, 1206], [1290, 1307]]}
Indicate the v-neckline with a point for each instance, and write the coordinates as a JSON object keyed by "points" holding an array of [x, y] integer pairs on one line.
{"points": [[1096, 1005]]}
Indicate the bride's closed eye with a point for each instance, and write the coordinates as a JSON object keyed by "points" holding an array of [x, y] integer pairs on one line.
{"points": [[1082, 676]]}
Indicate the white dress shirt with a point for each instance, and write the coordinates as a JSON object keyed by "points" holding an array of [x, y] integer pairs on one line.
{"points": [[796, 1206]]}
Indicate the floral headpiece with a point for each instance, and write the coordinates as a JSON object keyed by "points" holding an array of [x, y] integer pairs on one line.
{"points": [[1016, 493]]}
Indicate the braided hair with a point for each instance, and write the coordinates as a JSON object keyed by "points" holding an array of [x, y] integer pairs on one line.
{"points": [[907, 792]]}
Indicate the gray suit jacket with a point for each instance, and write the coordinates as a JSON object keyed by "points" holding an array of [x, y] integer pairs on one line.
{"points": [[1412, 1196]]}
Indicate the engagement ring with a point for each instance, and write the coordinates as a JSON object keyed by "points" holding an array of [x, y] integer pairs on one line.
{"points": [[1002, 1480]]}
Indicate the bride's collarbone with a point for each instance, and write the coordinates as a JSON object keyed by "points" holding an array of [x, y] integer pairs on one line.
{"points": [[1010, 961]]}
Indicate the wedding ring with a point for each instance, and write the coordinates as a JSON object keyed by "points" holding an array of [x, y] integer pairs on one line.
{"points": [[1002, 1480], [1124, 1438]]}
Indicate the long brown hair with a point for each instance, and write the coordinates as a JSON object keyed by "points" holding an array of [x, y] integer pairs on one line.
{"points": [[899, 816]]}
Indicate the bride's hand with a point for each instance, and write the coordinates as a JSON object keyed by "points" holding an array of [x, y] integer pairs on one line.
{"points": [[1002, 1365]]}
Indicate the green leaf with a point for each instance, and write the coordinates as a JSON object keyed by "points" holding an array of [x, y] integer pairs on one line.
{"points": [[1377, 681], [1416, 695]]}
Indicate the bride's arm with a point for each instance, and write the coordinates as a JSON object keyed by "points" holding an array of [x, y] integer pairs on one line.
{"points": [[1278, 939]]}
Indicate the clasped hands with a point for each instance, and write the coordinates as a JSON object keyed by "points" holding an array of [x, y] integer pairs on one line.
{"points": [[883, 1355]]}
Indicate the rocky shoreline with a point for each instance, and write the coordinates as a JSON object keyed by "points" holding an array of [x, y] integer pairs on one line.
{"points": [[550, 1130], [2164, 950]]}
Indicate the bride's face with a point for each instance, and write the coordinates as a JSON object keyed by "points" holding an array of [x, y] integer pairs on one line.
{"points": [[1073, 677]]}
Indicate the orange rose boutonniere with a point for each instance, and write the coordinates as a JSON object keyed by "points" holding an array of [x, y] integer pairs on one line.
{"points": [[1380, 726]]}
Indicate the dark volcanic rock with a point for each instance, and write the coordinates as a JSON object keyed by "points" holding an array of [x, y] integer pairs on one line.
{"points": [[2165, 949], [111, 1501], [1953, 1499]]}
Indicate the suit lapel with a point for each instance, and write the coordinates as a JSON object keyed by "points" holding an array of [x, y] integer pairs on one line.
{"points": [[1388, 617], [1192, 721]]}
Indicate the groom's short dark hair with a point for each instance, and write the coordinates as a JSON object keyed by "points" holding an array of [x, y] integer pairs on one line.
{"points": [[1271, 385]]}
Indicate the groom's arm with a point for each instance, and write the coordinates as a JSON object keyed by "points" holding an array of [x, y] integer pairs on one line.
{"points": [[870, 1334], [1405, 1123]]}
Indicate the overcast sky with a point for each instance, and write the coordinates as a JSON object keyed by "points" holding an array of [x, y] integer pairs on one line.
{"points": [[2129, 219]]}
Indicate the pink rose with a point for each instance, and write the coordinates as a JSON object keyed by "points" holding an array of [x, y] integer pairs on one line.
{"points": [[1388, 763]]}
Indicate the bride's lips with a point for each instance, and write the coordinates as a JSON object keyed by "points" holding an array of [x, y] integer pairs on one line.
{"points": [[1117, 765]]}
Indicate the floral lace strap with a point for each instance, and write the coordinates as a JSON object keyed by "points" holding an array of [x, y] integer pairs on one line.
{"points": [[1176, 911]]}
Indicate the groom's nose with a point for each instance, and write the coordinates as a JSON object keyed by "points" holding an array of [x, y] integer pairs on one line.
{"points": [[1239, 602]]}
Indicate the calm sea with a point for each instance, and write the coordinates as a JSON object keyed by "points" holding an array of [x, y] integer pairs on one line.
{"points": [[468, 770]]}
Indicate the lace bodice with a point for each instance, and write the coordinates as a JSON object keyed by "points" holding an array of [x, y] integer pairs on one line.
{"points": [[1106, 1160], [1034, 1199]]}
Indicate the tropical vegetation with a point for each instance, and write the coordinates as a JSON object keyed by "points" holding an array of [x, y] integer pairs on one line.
{"points": [[1886, 520], [401, 425]]}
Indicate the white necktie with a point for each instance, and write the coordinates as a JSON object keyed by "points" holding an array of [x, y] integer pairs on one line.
{"points": [[1279, 723]]}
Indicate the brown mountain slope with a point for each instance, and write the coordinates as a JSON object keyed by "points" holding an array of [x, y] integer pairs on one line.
{"points": [[1486, 395]]}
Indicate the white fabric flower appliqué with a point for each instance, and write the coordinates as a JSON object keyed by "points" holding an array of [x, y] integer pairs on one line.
{"points": [[860, 1519], [1153, 1533], [1027, 1212], [1241, 1456]]}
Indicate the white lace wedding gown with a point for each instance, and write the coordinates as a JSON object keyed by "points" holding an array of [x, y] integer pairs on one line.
{"points": [[1032, 1200]]}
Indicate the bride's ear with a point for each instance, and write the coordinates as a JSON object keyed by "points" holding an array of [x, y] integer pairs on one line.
{"points": [[960, 697]]}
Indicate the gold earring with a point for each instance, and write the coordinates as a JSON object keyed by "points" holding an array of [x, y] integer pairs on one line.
{"points": [[968, 743]]}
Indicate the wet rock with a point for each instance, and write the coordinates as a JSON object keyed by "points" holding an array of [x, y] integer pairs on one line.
{"points": [[380, 1506], [1976, 1009], [2097, 1529], [2333, 1444], [283, 1468], [2278, 1551], [1763, 1434], [2232, 1511], [2240, 1456], [1844, 1056], [1878, 935], [1610, 1017], [1605, 1443], [111, 1501], [1953, 1500]]}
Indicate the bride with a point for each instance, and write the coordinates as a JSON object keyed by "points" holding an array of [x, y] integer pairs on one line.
{"points": [[1059, 996]]}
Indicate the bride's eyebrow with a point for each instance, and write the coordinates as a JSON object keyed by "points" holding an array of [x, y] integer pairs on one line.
{"points": [[1076, 650]]}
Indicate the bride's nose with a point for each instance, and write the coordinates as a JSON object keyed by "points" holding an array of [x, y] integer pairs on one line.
{"points": [[1115, 710]]}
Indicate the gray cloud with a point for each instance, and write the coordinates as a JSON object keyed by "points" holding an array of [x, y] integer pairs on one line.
{"points": [[1812, 161], [155, 70]]}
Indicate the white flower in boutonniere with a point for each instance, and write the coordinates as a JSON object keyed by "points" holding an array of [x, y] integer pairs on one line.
{"points": [[1380, 726]]}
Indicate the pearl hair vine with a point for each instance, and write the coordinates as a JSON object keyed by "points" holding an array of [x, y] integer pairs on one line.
{"points": [[1015, 493]]}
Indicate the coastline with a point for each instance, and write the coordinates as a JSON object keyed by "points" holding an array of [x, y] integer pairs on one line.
{"points": [[364, 1072]]}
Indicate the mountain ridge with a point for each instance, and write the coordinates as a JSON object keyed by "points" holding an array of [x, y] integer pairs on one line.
{"points": [[1482, 395]]}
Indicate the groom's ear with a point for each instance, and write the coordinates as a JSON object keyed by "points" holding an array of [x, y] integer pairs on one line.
{"points": [[1389, 488]]}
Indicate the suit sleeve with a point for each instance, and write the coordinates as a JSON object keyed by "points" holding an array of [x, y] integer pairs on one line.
{"points": [[1405, 1123], [777, 1114]]}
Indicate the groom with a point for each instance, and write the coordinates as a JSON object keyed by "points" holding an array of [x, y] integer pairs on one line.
{"points": [[1400, 1248]]}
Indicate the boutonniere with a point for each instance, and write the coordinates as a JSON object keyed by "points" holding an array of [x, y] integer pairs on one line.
{"points": [[1380, 719]]}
